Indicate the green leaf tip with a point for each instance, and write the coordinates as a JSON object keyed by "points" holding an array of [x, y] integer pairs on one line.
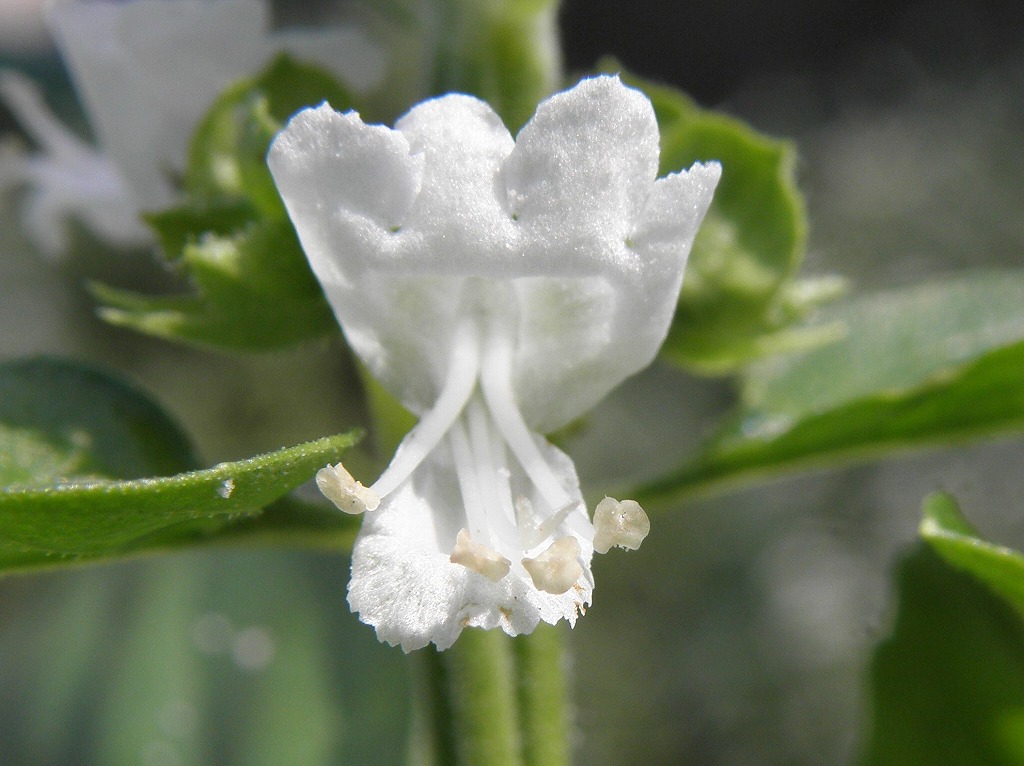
{"points": [[947, 531], [941, 516]]}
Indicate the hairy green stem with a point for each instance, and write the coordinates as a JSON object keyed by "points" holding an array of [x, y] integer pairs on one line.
{"points": [[494, 701], [543, 696], [434, 736], [482, 684]]}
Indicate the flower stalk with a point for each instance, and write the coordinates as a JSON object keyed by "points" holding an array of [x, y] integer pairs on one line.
{"points": [[481, 676], [495, 701], [542, 674]]}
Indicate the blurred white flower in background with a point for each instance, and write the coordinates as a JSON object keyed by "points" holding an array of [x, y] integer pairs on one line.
{"points": [[21, 26], [146, 71]]}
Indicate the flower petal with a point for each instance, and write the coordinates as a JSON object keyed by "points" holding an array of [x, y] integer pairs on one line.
{"points": [[389, 220], [565, 236], [581, 171], [405, 586], [348, 186], [627, 235], [458, 225]]}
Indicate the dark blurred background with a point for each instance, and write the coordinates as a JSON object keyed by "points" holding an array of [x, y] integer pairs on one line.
{"points": [[712, 49]]}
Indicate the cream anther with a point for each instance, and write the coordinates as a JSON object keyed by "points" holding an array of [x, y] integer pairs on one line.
{"points": [[619, 524], [338, 486], [556, 569], [479, 558]]}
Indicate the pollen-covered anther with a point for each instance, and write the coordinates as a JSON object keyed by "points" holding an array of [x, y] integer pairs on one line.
{"points": [[479, 558], [338, 486], [619, 524], [556, 569]]}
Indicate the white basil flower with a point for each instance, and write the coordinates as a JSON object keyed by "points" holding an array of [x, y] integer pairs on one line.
{"points": [[499, 288], [146, 72]]}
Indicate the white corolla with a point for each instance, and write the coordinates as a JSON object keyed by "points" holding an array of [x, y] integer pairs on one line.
{"points": [[499, 288]]}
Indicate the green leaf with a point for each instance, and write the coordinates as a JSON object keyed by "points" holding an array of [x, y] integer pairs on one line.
{"points": [[255, 292], [740, 297], [952, 537], [60, 420], [74, 442], [948, 684], [252, 288], [923, 366], [104, 517]]}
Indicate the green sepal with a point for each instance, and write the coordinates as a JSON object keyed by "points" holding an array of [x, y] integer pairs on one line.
{"points": [[254, 292], [252, 288], [740, 297]]}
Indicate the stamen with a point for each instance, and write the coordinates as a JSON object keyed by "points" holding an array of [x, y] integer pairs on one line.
{"points": [[533, 530], [338, 486], [463, 368], [526, 520], [556, 569], [496, 382], [469, 483], [622, 524], [479, 558], [493, 484]]}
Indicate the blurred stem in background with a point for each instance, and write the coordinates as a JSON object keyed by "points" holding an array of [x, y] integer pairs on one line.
{"points": [[505, 51]]}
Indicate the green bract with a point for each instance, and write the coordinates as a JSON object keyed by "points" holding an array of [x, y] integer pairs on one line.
{"points": [[740, 298], [231, 237]]}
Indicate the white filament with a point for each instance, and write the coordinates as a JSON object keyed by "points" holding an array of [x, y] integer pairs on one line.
{"points": [[469, 484], [477, 415], [496, 381], [463, 371]]}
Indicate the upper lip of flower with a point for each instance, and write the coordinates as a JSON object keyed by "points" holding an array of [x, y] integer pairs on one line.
{"points": [[586, 247], [499, 288]]}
